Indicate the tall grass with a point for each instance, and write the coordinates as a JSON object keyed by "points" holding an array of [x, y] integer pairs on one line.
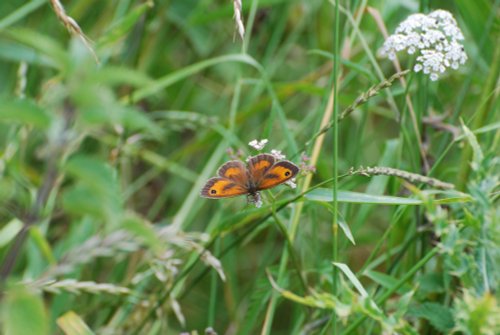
{"points": [[114, 114]]}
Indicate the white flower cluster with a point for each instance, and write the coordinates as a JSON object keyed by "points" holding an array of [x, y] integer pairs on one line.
{"points": [[277, 154], [258, 145], [437, 38]]}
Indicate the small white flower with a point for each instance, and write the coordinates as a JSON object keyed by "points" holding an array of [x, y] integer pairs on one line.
{"points": [[291, 183], [277, 154], [258, 145], [434, 38]]}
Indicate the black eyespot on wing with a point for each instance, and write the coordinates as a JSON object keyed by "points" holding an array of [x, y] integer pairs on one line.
{"points": [[279, 173], [219, 187]]}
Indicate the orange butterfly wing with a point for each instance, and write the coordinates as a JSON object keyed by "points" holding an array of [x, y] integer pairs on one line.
{"points": [[235, 171], [235, 179], [232, 182], [219, 187], [259, 165], [277, 174]]}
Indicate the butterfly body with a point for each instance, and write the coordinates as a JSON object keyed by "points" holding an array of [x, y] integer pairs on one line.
{"points": [[259, 173]]}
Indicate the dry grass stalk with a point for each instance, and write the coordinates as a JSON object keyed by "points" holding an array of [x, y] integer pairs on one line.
{"points": [[411, 177], [238, 18], [72, 26], [96, 246], [363, 98], [77, 287], [209, 259], [21, 79]]}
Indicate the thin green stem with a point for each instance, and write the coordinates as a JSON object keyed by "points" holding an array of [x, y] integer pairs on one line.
{"points": [[335, 226], [249, 25], [20, 13]]}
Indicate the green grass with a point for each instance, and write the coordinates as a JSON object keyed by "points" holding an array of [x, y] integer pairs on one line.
{"points": [[103, 231]]}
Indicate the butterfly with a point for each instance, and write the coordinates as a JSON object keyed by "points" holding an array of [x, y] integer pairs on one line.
{"points": [[261, 172]]}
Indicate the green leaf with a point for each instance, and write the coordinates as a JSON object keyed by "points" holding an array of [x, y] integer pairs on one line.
{"points": [[324, 194], [486, 129], [187, 71], [113, 75], [94, 174], [20, 13], [476, 149], [439, 316], [475, 16], [45, 45], [122, 27], [135, 120], [347, 231], [386, 281], [81, 200], [24, 112], [15, 52], [343, 225], [24, 313], [72, 324], [96, 190], [98, 106], [42, 244], [9, 231], [403, 304], [431, 283], [352, 278]]}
